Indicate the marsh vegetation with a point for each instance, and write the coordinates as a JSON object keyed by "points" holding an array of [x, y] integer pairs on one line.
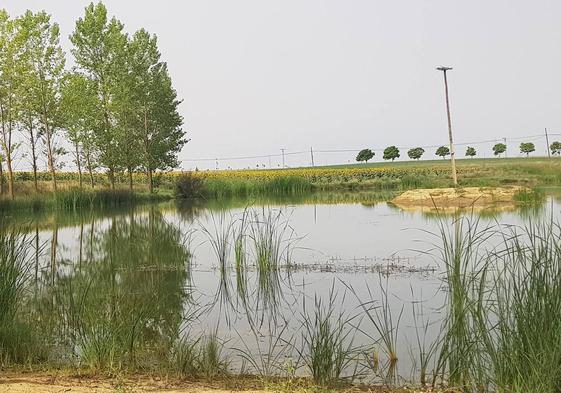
{"points": [[287, 291]]}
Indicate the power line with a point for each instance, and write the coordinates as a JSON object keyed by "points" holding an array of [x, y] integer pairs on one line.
{"points": [[313, 151]]}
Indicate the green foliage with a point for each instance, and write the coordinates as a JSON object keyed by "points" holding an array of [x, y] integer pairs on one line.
{"points": [[471, 152], [555, 148], [527, 148], [499, 148], [391, 153], [327, 342], [136, 120], [364, 155], [117, 107], [188, 185], [443, 151], [415, 153]]}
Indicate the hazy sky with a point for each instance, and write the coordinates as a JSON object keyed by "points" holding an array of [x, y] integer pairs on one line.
{"points": [[258, 76]]}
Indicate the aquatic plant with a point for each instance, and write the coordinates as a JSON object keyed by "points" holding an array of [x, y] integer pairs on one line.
{"points": [[327, 348]]}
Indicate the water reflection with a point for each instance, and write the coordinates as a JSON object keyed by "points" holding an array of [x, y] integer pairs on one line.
{"points": [[111, 288], [124, 300]]}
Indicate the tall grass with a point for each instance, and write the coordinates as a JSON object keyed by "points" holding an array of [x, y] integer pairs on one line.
{"points": [[234, 187], [19, 342], [518, 316], [384, 320], [75, 199], [327, 346], [202, 357], [503, 325]]}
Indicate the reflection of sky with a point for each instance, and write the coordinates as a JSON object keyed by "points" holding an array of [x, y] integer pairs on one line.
{"points": [[351, 234]]}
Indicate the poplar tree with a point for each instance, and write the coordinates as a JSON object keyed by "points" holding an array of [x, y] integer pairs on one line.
{"points": [[99, 45], [43, 60], [10, 50], [158, 122]]}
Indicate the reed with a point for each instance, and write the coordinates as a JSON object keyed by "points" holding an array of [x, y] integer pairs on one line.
{"points": [[327, 348], [19, 342], [384, 320]]}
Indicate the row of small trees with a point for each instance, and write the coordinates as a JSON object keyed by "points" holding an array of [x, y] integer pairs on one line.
{"points": [[116, 108], [392, 152]]}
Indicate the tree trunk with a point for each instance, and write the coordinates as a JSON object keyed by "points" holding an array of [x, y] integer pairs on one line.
{"points": [[1, 179], [150, 181], [51, 161], [76, 147], [130, 177], [111, 175], [33, 156], [148, 158], [90, 170], [10, 176]]}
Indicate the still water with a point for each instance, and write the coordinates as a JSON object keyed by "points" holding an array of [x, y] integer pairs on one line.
{"points": [[249, 272]]}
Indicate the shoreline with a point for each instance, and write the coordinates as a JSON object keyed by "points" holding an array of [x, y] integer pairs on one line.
{"points": [[80, 381]]}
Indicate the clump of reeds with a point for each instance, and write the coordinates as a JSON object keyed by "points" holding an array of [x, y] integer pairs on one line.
{"points": [[327, 348], [200, 357], [383, 319], [502, 330], [19, 340]]}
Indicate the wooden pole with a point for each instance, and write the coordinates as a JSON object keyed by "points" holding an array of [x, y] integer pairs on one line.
{"points": [[452, 151]]}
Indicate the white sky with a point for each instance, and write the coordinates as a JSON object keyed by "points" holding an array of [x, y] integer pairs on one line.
{"points": [[257, 76]]}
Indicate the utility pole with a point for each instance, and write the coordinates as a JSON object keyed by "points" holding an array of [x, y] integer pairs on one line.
{"points": [[547, 142], [506, 150], [282, 158], [312, 155], [452, 152]]}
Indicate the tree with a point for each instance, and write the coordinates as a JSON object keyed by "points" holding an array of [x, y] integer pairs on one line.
{"points": [[499, 148], [555, 148], [44, 61], [391, 153], [79, 108], [415, 153], [157, 119], [364, 155], [527, 148], [443, 151], [99, 50], [471, 152], [10, 51]]}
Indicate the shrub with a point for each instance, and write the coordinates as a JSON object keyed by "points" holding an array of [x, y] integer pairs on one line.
{"points": [[188, 185]]}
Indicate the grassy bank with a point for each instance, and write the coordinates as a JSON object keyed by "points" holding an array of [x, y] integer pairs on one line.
{"points": [[530, 172], [74, 199], [380, 177]]}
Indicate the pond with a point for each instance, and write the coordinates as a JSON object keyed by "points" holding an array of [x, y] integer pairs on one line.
{"points": [[256, 275]]}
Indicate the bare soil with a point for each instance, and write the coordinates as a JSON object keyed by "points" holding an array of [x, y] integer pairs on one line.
{"points": [[60, 382], [457, 197]]}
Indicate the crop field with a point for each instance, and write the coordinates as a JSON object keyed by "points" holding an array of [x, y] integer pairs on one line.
{"points": [[377, 176]]}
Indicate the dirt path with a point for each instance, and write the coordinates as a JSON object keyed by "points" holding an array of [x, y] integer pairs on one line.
{"points": [[60, 382], [45, 383]]}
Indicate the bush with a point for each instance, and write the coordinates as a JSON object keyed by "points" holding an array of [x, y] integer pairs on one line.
{"points": [[188, 185]]}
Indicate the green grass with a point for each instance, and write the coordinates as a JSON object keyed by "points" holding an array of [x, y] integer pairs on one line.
{"points": [[20, 341], [75, 199], [233, 187], [502, 326], [327, 346]]}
